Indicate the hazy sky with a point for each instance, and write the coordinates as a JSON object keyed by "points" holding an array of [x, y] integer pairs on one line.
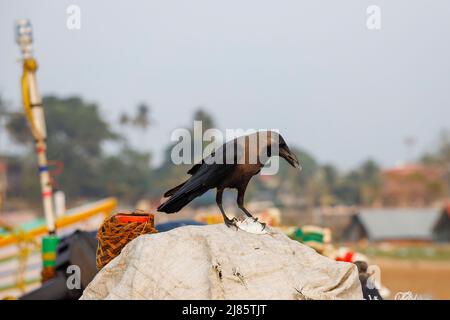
{"points": [[309, 68]]}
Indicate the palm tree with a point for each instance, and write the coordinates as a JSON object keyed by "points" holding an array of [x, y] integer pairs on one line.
{"points": [[142, 119]]}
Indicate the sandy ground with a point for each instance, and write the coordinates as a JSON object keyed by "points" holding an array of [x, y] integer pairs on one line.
{"points": [[430, 279]]}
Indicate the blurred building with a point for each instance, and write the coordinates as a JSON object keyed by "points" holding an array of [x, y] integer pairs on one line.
{"points": [[398, 225], [335, 218], [413, 185], [442, 227]]}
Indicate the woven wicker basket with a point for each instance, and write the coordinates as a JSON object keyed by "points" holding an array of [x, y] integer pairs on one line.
{"points": [[114, 234]]}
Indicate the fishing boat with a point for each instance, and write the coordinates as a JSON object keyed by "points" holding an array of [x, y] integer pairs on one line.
{"points": [[21, 260]]}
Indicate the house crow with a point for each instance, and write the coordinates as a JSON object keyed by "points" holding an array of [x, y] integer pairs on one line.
{"points": [[230, 166]]}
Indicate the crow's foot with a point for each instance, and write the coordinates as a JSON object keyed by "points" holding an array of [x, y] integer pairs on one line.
{"points": [[231, 223]]}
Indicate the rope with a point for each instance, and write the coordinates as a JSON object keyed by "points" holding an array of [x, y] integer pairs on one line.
{"points": [[26, 244]]}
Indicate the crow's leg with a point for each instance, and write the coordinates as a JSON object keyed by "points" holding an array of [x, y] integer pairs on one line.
{"points": [[240, 203], [228, 222]]}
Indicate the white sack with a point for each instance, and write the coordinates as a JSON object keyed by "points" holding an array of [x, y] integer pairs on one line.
{"points": [[215, 262]]}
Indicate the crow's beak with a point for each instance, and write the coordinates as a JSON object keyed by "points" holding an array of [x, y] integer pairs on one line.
{"points": [[290, 157]]}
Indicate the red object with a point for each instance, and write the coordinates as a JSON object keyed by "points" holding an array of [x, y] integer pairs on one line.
{"points": [[40, 149], [132, 218], [47, 194], [347, 258]]}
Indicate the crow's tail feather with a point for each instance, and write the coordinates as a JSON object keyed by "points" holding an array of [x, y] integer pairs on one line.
{"points": [[173, 190], [177, 201]]}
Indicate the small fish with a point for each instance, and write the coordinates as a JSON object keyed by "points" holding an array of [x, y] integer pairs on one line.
{"points": [[252, 226]]}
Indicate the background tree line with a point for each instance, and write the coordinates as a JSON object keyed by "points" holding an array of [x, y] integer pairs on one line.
{"points": [[77, 136]]}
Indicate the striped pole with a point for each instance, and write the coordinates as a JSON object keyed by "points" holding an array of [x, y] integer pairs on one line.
{"points": [[41, 147], [34, 113]]}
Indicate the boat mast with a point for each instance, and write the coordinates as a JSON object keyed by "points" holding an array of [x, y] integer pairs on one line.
{"points": [[34, 113]]}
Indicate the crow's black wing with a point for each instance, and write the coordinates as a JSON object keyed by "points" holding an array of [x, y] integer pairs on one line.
{"points": [[206, 176], [197, 166]]}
